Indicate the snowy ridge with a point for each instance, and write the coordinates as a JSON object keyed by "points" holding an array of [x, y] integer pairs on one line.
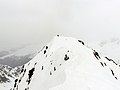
{"points": [[67, 64]]}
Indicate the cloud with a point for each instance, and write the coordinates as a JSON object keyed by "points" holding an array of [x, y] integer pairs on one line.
{"points": [[29, 21]]}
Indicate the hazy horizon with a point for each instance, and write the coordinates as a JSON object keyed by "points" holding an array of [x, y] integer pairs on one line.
{"points": [[38, 21]]}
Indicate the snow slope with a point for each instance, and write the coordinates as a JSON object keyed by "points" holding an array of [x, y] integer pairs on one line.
{"points": [[6, 86], [67, 64]]}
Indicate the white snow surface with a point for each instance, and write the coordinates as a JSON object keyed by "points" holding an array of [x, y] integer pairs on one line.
{"points": [[6, 86], [66, 64]]}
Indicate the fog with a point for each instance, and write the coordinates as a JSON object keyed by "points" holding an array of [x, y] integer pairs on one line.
{"points": [[37, 21]]}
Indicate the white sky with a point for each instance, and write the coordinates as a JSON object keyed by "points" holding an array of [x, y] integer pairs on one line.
{"points": [[37, 21]]}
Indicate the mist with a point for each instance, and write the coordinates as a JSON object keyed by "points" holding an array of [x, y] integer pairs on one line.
{"points": [[38, 21]]}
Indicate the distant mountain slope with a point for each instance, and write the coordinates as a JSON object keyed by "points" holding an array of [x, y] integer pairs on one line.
{"points": [[19, 56], [110, 48], [15, 61], [67, 64], [3, 53]]}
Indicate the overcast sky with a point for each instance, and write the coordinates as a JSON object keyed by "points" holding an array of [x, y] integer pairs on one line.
{"points": [[37, 21]]}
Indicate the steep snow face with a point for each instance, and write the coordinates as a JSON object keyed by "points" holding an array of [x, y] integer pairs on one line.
{"points": [[67, 64]]}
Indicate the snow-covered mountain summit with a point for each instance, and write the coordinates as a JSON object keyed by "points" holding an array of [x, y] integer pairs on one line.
{"points": [[67, 64]]}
